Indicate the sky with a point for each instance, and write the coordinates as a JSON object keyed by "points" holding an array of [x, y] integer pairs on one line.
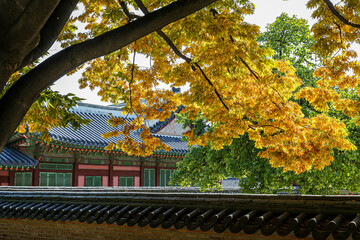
{"points": [[266, 12]]}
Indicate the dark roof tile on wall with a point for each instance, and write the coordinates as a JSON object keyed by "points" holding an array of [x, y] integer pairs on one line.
{"points": [[10, 157], [303, 216]]}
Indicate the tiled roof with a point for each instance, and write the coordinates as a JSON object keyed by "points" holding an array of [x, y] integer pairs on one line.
{"points": [[90, 135], [303, 216], [10, 157], [160, 125]]}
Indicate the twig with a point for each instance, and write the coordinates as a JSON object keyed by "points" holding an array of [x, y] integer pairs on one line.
{"points": [[258, 78], [130, 15], [340, 32], [337, 52], [211, 84], [131, 81], [272, 127], [255, 74], [339, 16], [181, 55], [251, 71]]}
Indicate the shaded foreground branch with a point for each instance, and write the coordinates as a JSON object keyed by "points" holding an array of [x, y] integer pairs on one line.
{"points": [[51, 30]]}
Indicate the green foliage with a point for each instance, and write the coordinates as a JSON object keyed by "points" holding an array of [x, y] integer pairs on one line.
{"points": [[52, 109], [59, 105], [197, 125], [204, 167], [291, 40]]}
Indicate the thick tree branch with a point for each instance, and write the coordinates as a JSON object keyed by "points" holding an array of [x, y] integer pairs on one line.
{"points": [[29, 24], [10, 10], [25, 91], [23, 36], [338, 15], [51, 30], [181, 55]]}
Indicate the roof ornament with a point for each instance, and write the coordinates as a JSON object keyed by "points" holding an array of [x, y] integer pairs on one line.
{"points": [[176, 90]]}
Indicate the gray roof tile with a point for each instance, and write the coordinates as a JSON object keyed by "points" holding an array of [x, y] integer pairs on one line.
{"points": [[90, 135], [12, 157]]}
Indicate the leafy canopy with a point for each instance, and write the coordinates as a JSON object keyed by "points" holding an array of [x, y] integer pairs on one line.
{"points": [[234, 82], [206, 167]]}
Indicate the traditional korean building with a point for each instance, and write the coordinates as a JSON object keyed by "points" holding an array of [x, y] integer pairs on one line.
{"points": [[14, 162], [78, 157]]}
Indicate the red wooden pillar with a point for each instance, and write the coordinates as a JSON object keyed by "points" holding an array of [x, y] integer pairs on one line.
{"points": [[141, 175], [36, 175], [111, 175], [76, 175], [157, 175], [11, 178]]}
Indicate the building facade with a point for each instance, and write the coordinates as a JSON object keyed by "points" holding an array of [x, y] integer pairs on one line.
{"points": [[78, 157]]}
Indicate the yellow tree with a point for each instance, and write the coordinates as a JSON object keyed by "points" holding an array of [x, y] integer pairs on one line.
{"points": [[234, 83], [30, 27]]}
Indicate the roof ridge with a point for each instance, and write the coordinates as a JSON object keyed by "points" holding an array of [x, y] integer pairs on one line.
{"points": [[167, 197]]}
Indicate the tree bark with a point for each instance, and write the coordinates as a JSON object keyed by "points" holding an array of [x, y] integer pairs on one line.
{"points": [[51, 30], [19, 98], [339, 16], [23, 36], [10, 10]]}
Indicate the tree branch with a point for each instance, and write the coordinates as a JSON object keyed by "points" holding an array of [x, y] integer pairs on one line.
{"points": [[129, 14], [258, 78], [211, 84], [248, 67], [181, 55], [163, 35], [25, 91], [339, 32], [29, 24], [10, 10], [51, 30], [23, 36], [131, 81], [339, 16]]}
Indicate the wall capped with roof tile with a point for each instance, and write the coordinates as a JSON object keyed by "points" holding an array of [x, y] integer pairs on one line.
{"points": [[20, 229]]}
